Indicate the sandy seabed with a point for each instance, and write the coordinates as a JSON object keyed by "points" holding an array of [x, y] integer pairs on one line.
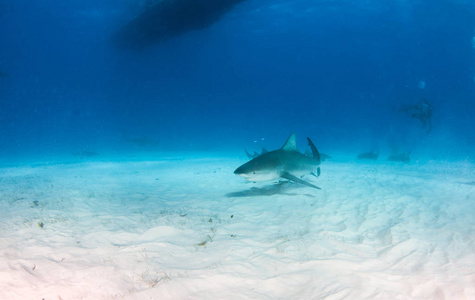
{"points": [[191, 229]]}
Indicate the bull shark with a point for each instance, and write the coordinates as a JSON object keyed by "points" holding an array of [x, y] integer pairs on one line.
{"points": [[286, 162]]}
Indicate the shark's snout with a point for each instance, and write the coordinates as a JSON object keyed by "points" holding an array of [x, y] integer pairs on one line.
{"points": [[245, 171], [240, 171]]}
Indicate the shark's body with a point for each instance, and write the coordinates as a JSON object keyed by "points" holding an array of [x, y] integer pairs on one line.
{"points": [[286, 162]]}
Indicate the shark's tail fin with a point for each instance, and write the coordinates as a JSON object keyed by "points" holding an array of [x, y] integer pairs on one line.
{"points": [[316, 154]]}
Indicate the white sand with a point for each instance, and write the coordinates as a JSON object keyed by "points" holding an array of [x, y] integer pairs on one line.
{"points": [[191, 229]]}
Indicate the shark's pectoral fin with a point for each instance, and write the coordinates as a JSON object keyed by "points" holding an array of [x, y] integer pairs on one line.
{"points": [[317, 174], [296, 179]]}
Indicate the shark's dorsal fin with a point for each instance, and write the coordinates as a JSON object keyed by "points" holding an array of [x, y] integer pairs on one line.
{"points": [[290, 144]]}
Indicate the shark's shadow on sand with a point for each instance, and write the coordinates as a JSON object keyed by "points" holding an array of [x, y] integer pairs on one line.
{"points": [[280, 188]]}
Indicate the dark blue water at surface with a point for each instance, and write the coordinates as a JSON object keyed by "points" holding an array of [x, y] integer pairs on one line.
{"points": [[332, 70]]}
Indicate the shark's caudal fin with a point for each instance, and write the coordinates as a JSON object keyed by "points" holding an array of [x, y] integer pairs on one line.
{"points": [[290, 144], [296, 179], [316, 154]]}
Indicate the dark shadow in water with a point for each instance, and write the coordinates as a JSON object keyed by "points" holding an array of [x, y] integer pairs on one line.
{"points": [[170, 18], [468, 183], [281, 188]]}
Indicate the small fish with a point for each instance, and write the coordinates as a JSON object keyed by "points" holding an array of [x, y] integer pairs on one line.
{"points": [[256, 154], [369, 155], [401, 157]]}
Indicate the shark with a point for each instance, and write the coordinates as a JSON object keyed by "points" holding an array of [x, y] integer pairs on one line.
{"points": [[287, 162]]}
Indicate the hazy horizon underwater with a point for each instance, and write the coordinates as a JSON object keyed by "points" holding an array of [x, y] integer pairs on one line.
{"points": [[123, 123]]}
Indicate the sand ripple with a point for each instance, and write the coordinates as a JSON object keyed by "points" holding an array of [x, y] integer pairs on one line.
{"points": [[190, 229]]}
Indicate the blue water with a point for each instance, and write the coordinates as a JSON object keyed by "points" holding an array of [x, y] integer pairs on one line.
{"points": [[335, 71]]}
